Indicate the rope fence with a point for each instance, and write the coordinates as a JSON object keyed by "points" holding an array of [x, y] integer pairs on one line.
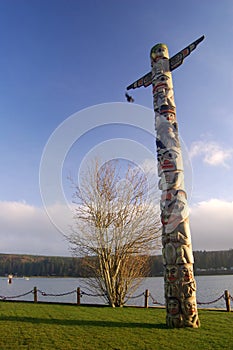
{"points": [[155, 302], [147, 296], [211, 302], [15, 296], [55, 295]]}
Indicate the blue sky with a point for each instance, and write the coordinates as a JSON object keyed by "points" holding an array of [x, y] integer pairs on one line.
{"points": [[60, 57]]}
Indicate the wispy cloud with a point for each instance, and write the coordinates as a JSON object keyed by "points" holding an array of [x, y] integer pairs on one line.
{"points": [[212, 153]]}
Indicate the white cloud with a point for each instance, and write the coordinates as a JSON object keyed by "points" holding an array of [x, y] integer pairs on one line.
{"points": [[212, 153], [211, 225], [27, 229]]}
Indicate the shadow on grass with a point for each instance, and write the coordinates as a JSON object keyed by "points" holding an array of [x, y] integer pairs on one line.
{"points": [[88, 323]]}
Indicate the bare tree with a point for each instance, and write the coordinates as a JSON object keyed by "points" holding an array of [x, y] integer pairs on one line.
{"points": [[117, 228]]}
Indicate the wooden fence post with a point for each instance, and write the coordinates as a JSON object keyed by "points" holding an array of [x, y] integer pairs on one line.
{"points": [[227, 300], [35, 294], [78, 296], [147, 293]]}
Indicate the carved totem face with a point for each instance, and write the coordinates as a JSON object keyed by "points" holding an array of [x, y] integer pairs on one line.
{"points": [[173, 306], [171, 273], [159, 51], [170, 117], [169, 160], [161, 82], [187, 273], [190, 306]]}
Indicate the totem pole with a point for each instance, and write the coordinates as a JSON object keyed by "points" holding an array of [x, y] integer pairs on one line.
{"points": [[179, 282]]}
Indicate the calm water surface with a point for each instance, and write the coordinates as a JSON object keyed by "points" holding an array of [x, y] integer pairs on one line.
{"points": [[209, 288]]}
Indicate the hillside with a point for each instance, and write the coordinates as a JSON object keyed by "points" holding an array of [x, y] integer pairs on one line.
{"points": [[215, 262]]}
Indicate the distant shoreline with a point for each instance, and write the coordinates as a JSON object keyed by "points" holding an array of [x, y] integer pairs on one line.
{"points": [[197, 273], [206, 264]]}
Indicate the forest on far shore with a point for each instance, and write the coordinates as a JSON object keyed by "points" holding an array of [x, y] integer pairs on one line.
{"points": [[206, 263]]}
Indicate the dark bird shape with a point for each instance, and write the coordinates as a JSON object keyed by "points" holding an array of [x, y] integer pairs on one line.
{"points": [[129, 98]]}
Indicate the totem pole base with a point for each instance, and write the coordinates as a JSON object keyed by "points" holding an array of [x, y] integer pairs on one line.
{"points": [[180, 297]]}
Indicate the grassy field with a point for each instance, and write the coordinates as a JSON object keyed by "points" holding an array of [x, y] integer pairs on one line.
{"points": [[64, 327]]}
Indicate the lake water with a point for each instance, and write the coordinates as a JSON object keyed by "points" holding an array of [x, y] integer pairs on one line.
{"points": [[209, 288]]}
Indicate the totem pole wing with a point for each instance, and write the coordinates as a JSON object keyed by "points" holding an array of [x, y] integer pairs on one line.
{"points": [[177, 60], [145, 81]]}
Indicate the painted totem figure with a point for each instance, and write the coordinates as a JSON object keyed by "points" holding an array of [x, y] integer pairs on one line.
{"points": [[180, 285]]}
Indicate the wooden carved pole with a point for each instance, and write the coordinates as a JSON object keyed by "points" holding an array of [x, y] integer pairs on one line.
{"points": [[179, 282]]}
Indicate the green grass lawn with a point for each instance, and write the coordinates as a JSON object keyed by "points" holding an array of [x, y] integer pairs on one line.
{"points": [[64, 327]]}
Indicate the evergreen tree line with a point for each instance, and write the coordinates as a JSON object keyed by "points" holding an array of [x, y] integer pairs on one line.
{"points": [[29, 265], [214, 260]]}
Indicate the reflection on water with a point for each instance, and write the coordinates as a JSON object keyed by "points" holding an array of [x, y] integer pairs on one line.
{"points": [[209, 288]]}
